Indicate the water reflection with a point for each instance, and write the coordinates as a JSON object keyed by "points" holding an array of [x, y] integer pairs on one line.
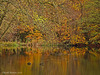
{"points": [[49, 61]]}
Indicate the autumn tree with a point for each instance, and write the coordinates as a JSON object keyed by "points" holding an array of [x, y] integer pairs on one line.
{"points": [[90, 22]]}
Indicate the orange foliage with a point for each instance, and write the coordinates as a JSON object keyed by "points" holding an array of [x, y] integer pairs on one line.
{"points": [[30, 32], [63, 32]]}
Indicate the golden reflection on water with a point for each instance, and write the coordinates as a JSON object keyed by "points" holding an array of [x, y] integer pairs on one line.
{"points": [[50, 61]]}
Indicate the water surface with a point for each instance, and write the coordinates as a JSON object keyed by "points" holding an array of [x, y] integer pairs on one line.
{"points": [[49, 61]]}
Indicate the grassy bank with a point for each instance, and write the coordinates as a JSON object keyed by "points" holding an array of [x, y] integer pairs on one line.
{"points": [[11, 44]]}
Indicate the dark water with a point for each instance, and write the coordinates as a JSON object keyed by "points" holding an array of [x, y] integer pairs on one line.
{"points": [[49, 61]]}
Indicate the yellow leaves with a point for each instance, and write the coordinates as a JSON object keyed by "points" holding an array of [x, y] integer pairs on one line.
{"points": [[76, 6], [21, 31], [78, 39], [78, 51], [65, 52], [27, 26], [37, 34], [78, 28], [36, 31]]}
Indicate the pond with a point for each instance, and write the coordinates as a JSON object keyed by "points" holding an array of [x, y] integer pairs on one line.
{"points": [[49, 61]]}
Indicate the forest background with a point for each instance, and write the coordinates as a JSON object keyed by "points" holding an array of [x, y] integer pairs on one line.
{"points": [[50, 22]]}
